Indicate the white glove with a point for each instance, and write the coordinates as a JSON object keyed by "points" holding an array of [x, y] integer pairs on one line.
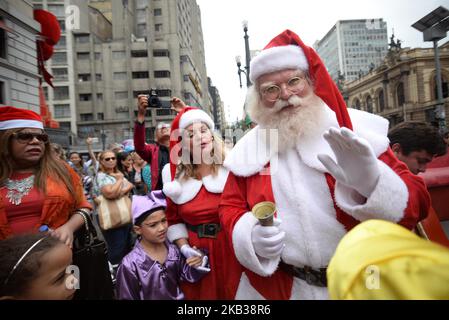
{"points": [[268, 241], [204, 265], [356, 166], [187, 251]]}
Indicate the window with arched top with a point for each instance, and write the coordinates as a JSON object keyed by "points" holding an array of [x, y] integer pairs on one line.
{"points": [[445, 87], [356, 104], [381, 99], [369, 104], [400, 94]]}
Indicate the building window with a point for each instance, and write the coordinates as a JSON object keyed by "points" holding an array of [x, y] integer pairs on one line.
{"points": [[141, 75], [59, 58], [161, 53], [98, 77], [186, 78], [163, 92], [400, 94], [57, 9], [444, 86], [2, 92], [82, 38], [163, 112], [45, 89], [162, 74], [120, 76], [157, 12], [60, 74], [139, 53], [369, 104], [3, 40], [61, 93], [141, 30], [381, 98], [118, 54], [99, 97], [97, 55], [62, 111], [62, 42], [82, 55], [85, 97], [158, 27], [100, 116], [62, 25], [86, 117], [356, 104], [121, 95], [136, 93], [84, 77]]}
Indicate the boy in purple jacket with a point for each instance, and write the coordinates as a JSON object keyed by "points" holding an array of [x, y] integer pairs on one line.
{"points": [[154, 268]]}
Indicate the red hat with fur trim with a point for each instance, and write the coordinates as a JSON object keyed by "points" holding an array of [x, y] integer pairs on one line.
{"points": [[287, 51], [12, 117]]}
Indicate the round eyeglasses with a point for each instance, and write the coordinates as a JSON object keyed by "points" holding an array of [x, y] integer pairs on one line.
{"points": [[272, 92]]}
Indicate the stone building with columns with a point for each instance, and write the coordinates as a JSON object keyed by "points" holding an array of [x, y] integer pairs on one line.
{"points": [[403, 87]]}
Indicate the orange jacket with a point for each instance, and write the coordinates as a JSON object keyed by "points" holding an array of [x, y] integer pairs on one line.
{"points": [[58, 207]]}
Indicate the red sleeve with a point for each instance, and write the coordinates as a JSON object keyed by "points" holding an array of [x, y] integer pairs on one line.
{"points": [[419, 199], [172, 213], [233, 203], [144, 150]]}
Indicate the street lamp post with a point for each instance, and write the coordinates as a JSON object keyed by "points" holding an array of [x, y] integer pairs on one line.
{"points": [[434, 27], [248, 57]]}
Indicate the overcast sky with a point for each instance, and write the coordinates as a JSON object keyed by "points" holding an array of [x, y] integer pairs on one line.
{"points": [[311, 20]]}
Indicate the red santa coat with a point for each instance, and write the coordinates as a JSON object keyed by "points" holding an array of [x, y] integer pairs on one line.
{"points": [[196, 202], [315, 212]]}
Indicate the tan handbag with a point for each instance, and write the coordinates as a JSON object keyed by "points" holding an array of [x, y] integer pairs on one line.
{"points": [[113, 213]]}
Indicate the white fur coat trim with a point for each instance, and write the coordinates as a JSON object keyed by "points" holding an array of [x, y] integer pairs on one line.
{"points": [[244, 248], [252, 153], [388, 200], [182, 191], [177, 231]]}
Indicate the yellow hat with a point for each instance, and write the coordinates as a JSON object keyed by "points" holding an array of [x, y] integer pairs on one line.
{"points": [[382, 260]]}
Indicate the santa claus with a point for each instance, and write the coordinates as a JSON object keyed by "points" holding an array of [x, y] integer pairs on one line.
{"points": [[328, 169]]}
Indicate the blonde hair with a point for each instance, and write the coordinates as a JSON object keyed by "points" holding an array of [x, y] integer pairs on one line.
{"points": [[48, 165], [189, 170]]}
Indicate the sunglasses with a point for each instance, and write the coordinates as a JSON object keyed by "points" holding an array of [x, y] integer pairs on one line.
{"points": [[27, 137], [109, 159]]}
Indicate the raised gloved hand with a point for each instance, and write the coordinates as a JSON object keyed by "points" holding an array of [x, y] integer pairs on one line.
{"points": [[356, 165], [268, 241]]}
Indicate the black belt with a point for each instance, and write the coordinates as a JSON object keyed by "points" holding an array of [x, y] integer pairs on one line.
{"points": [[311, 276], [208, 230]]}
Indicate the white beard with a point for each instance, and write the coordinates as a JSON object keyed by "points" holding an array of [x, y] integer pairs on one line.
{"points": [[302, 118]]}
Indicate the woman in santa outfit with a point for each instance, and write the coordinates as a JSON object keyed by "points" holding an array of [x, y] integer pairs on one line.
{"points": [[193, 182]]}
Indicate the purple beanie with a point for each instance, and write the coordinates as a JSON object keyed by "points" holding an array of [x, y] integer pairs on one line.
{"points": [[150, 202]]}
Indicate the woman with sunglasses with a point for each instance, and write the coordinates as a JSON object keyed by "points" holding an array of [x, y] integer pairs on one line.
{"points": [[112, 184], [38, 191]]}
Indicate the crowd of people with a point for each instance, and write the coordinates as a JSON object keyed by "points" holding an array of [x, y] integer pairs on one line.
{"points": [[186, 227]]}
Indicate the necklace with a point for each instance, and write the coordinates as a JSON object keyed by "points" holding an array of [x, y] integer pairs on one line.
{"points": [[17, 189]]}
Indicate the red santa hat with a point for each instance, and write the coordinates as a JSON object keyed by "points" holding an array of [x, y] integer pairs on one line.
{"points": [[12, 117], [287, 51], [185, 118]]}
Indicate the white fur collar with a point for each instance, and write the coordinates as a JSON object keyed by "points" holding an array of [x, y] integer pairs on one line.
{"points": [[252, 153], [182, 191]]}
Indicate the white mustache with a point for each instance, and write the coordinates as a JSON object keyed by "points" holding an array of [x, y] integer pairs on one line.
{"points": [[294, 100]]}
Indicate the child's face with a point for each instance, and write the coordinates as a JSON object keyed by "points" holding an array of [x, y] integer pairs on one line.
{"points": [[154, 228], [52, 282]]}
